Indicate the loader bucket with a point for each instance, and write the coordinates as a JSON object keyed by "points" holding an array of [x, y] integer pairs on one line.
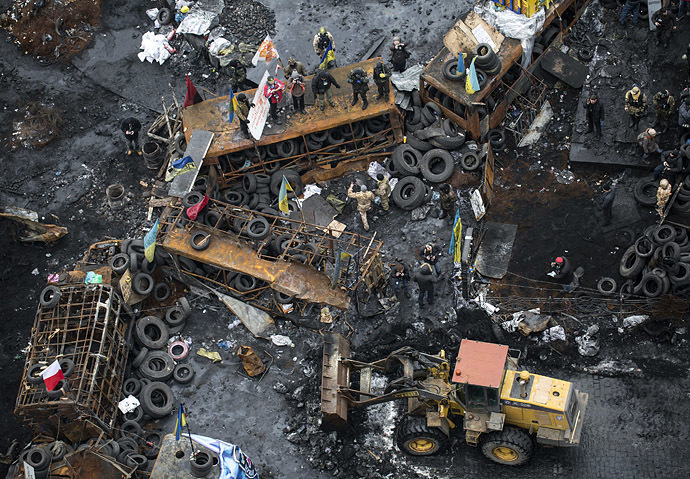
{"points": [[334, 375]]}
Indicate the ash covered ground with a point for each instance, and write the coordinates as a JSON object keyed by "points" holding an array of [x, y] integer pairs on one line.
{"points": [[638, 383]]}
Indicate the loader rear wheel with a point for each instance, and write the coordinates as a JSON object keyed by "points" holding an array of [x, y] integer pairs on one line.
{"points": [[416, 438], [511, 447]]}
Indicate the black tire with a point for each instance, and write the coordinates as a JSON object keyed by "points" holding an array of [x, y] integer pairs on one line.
{"points": [[631, 264], [664, 234], [200, 464], [682, 276], [428, 116], [644, 248], [59, 390], [437, 165], [282, 298], [244, 283], [607, 286], [157, 366], [497, 138], [67, 367], [148, 267], [183, 374], [449, 142], [127, 444], [58, 450], [258, 228], [139, 358], [139, 460], [406, 159], [33, 374], [585, 54], [192, 198], [470, 161], [249, 182], [287, 148], [151, 332], [50, 296], [671, 250], [434, 108], [200, 240], [511, 447], [38, 458], [157, 399], [142, 283], [418, 144], [161, 292], [450, 71], [233, 197], [131, 386], [164, 17], [175, 316], [152, 443], [409, 193], [449, 127], [414, 437], [652, 286], [482, 77], [119, 263], [645, 191], [131, 429]]}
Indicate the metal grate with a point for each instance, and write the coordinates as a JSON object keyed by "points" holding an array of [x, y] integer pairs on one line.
{"points": [[85, 327]]}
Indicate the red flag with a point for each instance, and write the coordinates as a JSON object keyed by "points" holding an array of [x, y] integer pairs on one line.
{"points": [[192, 96], [52, 375], [193, 211]]}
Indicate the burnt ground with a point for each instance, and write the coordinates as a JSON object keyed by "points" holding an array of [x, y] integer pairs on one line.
{"points": [[636, 424]]}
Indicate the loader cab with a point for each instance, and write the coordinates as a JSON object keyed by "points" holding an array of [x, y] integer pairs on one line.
{"points": [[479, 372]]}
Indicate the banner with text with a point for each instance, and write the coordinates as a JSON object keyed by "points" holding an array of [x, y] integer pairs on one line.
{"points": [[259, 112]]}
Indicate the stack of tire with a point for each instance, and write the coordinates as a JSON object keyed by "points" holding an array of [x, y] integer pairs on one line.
{"points": [[658, 263], [646, 188], [33, 376], [43, 457], [132, 258], [487, 60], [544, 40]]}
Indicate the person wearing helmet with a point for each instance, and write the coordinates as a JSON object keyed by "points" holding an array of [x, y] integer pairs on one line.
{"points": [[664, 104], [635, 105], [382, 73], [647, 140], [595, 114], [322, 40], [294, 66], [663, 193], [243, 107], [179, 16], [561, 268], [321, 87], [273, 90], [359, 80], [399, 54]]}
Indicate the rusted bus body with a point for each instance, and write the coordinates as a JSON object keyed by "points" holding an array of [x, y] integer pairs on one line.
{"points": [[351, 132], [485, 109], [86, 326]]}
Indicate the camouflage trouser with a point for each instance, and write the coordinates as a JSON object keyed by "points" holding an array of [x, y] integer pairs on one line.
{"points": [[365, 223], [322, 97], [384, 202], [664, 118]]}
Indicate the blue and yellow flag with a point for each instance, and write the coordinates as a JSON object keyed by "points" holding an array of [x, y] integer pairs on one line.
{"points": [[328, 55], [183, 165], [456, 240], [471, 82], [282, 197], [460, 69], [232, 108], [150, 242], [181, 422]]}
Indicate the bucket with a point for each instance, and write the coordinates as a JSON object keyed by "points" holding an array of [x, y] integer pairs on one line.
{"points": [[116, 196], [153, 155]]}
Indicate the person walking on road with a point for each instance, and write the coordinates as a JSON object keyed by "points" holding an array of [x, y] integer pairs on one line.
{"points": [[425, 277], [383, 190], [400, 279], [364, 199]]}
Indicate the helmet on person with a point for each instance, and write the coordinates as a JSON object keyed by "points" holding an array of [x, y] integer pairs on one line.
{"points": [[241, 97], [322, 30], [559, 260], [270, 80], [664, 183], [184, 9], [651, 132], [635, 90], [292, 61]]}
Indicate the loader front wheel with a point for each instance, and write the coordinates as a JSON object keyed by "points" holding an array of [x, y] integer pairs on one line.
{"points": [[511, 447], [416, 438]]}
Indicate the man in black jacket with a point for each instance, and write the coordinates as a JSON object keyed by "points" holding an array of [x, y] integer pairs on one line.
{"points": [[665, 26], [671, 164], [130, 127], [595, 114], [321, 87], [399, 55], [425, 278], [606, 202], [400, 279]]}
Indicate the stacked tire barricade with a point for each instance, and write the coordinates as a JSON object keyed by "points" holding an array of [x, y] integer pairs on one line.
{"points": [[646, 188]]}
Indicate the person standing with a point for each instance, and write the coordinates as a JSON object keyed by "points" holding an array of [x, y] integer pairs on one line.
{"points": [[383, 190], [630, 6], [360, 86], [446, 201], [364, 199], [665, 26], [399, 55], [686, 58], [321, 42], [238, 74], [606, 202], [635, 105], [595, 114], [663, 193], [382, 74], [684, 116], [273, 90], [683, 8], [561, 269], [400, 279], [425, 279], [647, 140], [243, 107], [429, 254], [321, 87], [297, 89], [294, 66], [664, 104], [130, 127], [671, 164]]}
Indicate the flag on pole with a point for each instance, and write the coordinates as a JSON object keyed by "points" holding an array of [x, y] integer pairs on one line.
{"points": [[328, 56], [181, 422], [192, 96], [232, 108], [183, 165], [193, 211], [52, 375], [471, 81], [266, 50], [460, 69], [456, 240], [282, 197], [150, 242]]}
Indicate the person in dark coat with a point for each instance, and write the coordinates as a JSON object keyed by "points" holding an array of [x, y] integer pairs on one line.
{"points": [[606, 202], [382, 74], [360, 86], [595, 114], [665, 26], [321, 87], [684, 116], [399, 55], [430, 254], [561, 269], [297, 88], [671, 165], [243, 107], [130, 127], [425, 278], [400, 279]]}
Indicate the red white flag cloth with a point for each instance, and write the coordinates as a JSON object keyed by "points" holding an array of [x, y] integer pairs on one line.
{"points": [[52, 375], [266, 50]]}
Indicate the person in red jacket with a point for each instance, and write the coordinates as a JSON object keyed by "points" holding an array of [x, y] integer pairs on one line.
{"points": [[274, 92]]}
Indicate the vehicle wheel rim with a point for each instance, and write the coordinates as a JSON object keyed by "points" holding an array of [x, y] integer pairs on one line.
{"points": [[505, 453], [422, 445]]}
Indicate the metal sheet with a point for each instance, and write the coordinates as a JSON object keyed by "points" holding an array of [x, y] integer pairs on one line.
{"points": [[495, 250], [197, 147], [564, 67]]}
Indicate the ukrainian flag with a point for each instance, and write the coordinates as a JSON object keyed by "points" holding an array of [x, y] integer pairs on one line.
{"points": [[181, 422], [282, 197], [460, 69], [472, 82], [233, 106], [456, 240], [150, 242], [328, 56]]}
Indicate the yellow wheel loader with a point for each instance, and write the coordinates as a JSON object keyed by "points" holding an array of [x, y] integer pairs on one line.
{"points": [[501, 409]]}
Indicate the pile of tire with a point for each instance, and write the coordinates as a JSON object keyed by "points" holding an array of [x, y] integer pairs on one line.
{"points": [[33, 377], [131, 257], [43, 457], [645, 194], [487, 60], [658, 263], [137, 450]]}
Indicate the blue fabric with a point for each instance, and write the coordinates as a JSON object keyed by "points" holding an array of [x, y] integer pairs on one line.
{"points": [[630, 7]]}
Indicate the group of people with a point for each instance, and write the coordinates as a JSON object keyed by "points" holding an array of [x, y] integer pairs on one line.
{"points": [[426, 275]]}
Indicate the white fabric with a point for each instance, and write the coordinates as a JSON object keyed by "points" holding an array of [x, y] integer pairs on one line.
{"points": [[154, 48]]}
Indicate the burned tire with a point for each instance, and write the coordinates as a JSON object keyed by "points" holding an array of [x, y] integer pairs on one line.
{"points": [[470, 161], [164, 16], [607, 286], [437, 165], [449, 142], [414, 437], [418, 144], [631, 264], [450, 71], [258, 228], [161, 292], [131, 429], [33, 374], [183, 374], [119, 263], [664, 234], [50, 296], [142, 283], [157, 399], [406, 160], [151, 332], [511, 447], [409, 193], [38, 458], [645, 191], [249, 182], [585, 54], [139, 358], [244, 283], [131, 386], [682, 276], [192, 198], [282, 298], [652, 286], [497, 138], [67, 367], [644, 248], [200, 464], [157, 366], [200, 240]]}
